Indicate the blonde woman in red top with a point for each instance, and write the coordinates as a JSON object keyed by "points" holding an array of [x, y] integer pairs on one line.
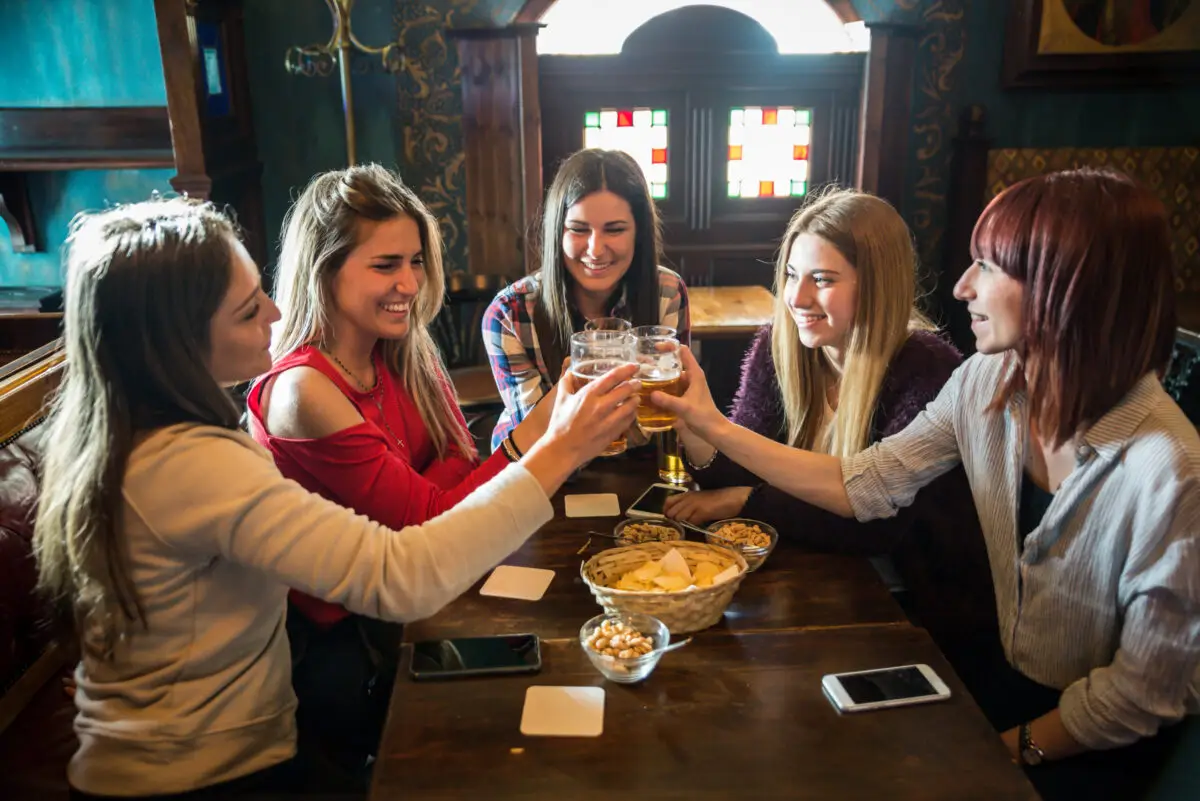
{"points": [[358, 408]]}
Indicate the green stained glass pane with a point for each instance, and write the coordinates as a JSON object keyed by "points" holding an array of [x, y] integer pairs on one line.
{"points": [[660, 116], [799, 188], [803, 116], [591, 119], [658, 191]]}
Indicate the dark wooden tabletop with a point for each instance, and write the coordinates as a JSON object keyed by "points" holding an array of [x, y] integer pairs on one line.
{"points": [[793, 588], [739, 716]]}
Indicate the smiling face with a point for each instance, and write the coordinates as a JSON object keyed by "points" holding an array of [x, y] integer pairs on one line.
{"points": [[821, 292], [598, 241], [994, 300], [240, 330], [374, 290]]}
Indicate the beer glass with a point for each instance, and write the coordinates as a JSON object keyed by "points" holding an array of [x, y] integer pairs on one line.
{"points": [[671, 467], [594, 353], [608, 324], [659, 369]]}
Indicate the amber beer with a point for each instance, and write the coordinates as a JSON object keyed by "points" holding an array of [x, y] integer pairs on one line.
{"points": [[589, 371], [652, 417], [671, 467]]}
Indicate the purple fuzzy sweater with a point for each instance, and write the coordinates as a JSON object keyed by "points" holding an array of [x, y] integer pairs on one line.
{"points": [[914, 378]]}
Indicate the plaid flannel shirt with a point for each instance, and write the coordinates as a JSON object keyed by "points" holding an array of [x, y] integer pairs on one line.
{"points": [[516, 357]]}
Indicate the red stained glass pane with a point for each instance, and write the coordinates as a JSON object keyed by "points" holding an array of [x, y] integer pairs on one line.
{"points": [[766, 188], [770, 116], [658, 155], [799, 152], [624, 119], [735, 152]]}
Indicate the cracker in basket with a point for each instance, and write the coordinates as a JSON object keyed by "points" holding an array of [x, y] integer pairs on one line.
{"points": [[672, 574]]}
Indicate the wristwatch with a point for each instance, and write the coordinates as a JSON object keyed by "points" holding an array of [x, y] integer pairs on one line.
{"points": [[1031, 753]]}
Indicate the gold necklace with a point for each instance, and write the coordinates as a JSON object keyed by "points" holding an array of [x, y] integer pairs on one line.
{"points": [[373, 395]]}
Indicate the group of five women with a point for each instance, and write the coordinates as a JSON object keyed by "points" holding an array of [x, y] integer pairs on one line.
{"points": [[213, 577]]}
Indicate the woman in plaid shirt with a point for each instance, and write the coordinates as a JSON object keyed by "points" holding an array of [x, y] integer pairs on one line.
{"points": [[599, 208]]}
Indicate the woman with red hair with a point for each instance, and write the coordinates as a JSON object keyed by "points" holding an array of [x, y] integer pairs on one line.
{"points": [[1084, 472]]}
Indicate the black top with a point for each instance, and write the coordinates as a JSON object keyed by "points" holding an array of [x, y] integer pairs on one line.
{"points": [[1034, 503]]}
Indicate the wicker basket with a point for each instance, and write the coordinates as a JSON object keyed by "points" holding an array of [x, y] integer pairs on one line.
{"points": [[684, 611]]}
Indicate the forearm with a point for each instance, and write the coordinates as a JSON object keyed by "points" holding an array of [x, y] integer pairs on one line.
{"points": [[811, 477], [550, 463]]}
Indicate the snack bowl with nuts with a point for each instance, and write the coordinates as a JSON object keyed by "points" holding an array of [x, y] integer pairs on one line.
{"points": [[625, 648], [633, 531], [752, 538]]}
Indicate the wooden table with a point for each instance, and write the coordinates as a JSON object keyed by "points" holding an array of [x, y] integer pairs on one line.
{"points": [[725, 717], [729, 311], [738, 713], [793, 589]]}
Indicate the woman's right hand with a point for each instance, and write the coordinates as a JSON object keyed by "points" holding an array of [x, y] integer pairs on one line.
{"points": [[586, 418], [697, 412]]}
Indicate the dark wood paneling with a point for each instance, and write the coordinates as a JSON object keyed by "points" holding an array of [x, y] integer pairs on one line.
{"points": [[499, 116], [84, 138], [886, 106], [965, 202]]}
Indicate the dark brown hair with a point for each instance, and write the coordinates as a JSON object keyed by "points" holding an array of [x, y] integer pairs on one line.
{"points": [[583, 173], [1092, 249]]}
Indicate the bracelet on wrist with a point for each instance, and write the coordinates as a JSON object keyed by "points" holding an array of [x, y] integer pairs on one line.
{"points": [[509, 451], [513, 443], [687, 458]]}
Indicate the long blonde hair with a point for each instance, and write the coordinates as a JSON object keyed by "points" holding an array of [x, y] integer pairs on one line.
{"points": [[143, 282], [319, 232], [874, 239]]}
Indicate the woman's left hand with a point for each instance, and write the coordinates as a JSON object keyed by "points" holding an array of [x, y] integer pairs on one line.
{"points": [[697, 411], [704, 506]]}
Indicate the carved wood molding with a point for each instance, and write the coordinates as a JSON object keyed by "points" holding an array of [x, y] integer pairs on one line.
{"points": [[886, 108], [175, 34], [34, 139]]}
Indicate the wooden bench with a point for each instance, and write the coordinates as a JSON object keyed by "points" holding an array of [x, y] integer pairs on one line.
{"points": [[36, 734]]}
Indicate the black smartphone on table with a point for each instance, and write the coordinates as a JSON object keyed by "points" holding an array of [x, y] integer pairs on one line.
{"points": [[500, 654]]}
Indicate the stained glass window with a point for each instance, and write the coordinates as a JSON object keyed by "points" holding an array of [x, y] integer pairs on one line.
{"points": [[768, 151], [640, 132]]}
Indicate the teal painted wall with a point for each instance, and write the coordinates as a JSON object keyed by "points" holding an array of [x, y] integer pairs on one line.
{"points": [[76, 53], [80, 53]]}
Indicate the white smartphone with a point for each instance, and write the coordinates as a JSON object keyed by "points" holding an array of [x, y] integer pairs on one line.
{"points": [[653, 501], [865, 690]]}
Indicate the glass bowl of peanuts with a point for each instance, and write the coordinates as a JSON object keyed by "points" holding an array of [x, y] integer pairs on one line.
{"points": [[625, 648], [633, 531], [753, 538]]}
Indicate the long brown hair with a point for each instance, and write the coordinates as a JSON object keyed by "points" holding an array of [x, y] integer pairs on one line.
{"points": [[582, 174], [873, 238], [319, 232], [143, 282], [1093, 251]]}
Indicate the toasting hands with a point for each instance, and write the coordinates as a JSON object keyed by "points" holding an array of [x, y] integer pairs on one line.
{"points": [[697, 412]]}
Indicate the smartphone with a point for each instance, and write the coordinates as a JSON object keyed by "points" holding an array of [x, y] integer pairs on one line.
{"points": [[865, 690], [653, 501], [476, 656]]}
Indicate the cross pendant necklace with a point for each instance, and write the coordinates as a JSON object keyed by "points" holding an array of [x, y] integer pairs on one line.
{"points": [[374, 392]]}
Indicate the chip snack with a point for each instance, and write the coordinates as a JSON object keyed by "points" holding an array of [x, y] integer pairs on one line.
{"points": [[672, 573]]}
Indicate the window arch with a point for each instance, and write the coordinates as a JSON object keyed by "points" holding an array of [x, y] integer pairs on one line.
{"points": [[583, 27]]}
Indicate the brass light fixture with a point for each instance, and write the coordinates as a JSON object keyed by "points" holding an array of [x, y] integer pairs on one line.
{"points": [[340, 51]]}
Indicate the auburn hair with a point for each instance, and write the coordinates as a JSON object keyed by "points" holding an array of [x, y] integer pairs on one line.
{"points": [[1092, 249]]}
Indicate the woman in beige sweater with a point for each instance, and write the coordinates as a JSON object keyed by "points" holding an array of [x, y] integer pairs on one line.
{"points": [[170, 538]]}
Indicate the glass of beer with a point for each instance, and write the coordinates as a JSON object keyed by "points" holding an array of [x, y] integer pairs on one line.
{"points": [[594, 353], [671, 467], [659, 369], [608, 324]]}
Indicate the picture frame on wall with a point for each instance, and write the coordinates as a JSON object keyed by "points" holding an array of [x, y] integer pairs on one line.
{"points": [[1080, 44]]}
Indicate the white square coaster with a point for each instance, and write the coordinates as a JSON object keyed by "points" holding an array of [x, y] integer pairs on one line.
{"points": [[602, 504], [523, 583], [563, 712]]}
